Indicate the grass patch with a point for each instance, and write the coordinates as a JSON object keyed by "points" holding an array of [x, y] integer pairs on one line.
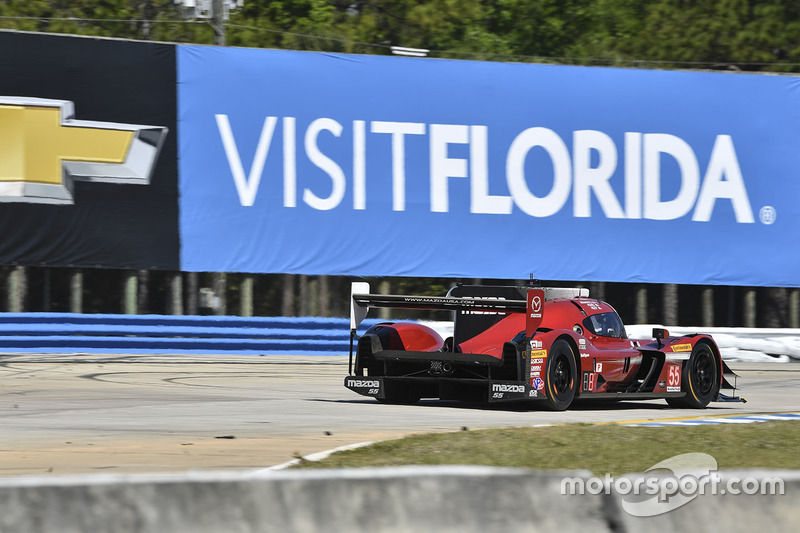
{"points": [[601, 449]]}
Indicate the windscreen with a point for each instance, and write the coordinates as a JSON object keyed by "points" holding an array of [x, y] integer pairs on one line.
{"points": [[606, 325]]}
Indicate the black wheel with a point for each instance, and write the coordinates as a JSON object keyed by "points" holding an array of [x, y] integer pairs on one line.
{"points": [[699, 379], [561, 382]]}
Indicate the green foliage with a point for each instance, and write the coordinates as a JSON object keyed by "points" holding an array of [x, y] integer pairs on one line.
{"points": [[108, 18], [729, 34]]}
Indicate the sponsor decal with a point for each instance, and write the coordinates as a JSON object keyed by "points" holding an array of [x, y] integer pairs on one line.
{"points": [[487, 312], [673, 389], [592, 304], [532, 393], [700, 188], [44, 150], [536, 344], [662, 384], [369, 387], [582, 344], [584, 354], [598, 367], [537, 383], [537, 362], [505, 387], [681, 347], [363, 383], [536, 306]]}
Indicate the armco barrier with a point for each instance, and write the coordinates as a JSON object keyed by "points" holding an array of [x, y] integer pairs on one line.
{"points": [[404, 499], [108, 333]]}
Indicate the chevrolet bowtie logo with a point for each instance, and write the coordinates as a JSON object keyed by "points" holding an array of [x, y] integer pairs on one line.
{"points": [[44, 150]]}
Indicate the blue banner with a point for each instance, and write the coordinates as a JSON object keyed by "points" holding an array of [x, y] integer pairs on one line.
{"points": [[318, 163]]}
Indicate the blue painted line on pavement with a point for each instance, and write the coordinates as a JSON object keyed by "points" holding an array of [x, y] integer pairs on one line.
{"points": [[737, 419]]}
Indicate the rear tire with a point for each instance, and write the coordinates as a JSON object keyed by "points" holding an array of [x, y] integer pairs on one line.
{"points": [[699, 379], [561, 376]]}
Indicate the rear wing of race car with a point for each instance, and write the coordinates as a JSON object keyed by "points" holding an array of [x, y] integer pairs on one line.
{"points": [[361, 300], [472, 302]]}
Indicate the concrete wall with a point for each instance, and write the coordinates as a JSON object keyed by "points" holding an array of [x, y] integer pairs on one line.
{"points": [[404, 499]]}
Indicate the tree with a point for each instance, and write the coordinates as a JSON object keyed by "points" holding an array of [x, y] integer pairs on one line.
{"points": [[132, 19]]}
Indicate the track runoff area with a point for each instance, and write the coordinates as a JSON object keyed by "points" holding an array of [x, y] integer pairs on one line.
{"points": [[81, 414]]}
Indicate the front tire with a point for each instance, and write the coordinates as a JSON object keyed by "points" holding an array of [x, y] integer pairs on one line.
{"points": [[700, 379], [561, 376]]}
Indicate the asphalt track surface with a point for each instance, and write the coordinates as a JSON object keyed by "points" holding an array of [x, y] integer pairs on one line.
{"points": [[64, 414]]}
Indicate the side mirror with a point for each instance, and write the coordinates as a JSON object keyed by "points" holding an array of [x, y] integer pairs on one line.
{"points": [[660, 333]]}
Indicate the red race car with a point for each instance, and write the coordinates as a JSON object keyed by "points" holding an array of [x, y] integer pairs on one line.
{"points": [[552, 345]]}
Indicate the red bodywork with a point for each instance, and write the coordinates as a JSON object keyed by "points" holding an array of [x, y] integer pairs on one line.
{"points": [[613, 360], [511, 347]]}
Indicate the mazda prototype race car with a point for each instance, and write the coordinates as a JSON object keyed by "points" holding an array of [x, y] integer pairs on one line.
{"points": [[550, 345]]}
